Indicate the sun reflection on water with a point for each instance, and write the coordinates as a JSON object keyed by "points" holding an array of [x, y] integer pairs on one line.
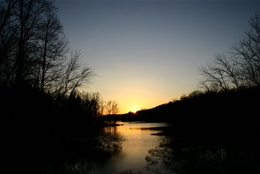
{"points": [[136, 145]]}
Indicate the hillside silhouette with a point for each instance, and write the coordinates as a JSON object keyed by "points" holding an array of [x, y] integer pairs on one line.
{"points": [[45, 118], [223, 114]]}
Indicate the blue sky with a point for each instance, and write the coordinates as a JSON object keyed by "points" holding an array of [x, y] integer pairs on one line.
{"points": [[146, 53]]}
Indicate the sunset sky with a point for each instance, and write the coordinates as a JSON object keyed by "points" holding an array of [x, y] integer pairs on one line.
{"points": [[146, 53]]}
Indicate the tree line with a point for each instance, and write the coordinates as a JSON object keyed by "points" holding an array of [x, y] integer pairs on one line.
{"points": [[214, 129], [224, 109], [35, 54], [45, 112]]}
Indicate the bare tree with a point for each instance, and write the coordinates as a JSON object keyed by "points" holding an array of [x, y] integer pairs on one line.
{"points": [[115, 108], [33, 49], [101, 107], [52, 47], [75, 75], [19, 24], [109, 107], [8, 42], [247, 52], [238, 68], [29, 14], [112, 107], [92, 103], [221, 74]]}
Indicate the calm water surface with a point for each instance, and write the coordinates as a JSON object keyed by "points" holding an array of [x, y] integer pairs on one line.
{"points": [[138, 140]]}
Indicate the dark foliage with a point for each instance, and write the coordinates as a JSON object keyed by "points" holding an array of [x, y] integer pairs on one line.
{"points": [[211, 132], [35, 126], [222, 115]]}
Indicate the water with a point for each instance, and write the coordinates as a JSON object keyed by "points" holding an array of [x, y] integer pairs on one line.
{"points": [[144, 153], [138, 140]]}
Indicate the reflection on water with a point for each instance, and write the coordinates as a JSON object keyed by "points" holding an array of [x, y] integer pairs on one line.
{"points": [[127, 158], [142, 152], [135, 147]]}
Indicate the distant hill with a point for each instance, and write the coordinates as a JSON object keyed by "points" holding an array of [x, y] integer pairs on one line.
{"points": [[233, 113]]}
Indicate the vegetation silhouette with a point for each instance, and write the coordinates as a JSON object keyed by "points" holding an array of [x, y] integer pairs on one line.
{"points": [[176, 155], [215, 130], [44, 117], [39, 129]]}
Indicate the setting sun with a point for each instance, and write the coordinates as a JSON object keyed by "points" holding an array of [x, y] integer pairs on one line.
{"points": [[134, 109]]}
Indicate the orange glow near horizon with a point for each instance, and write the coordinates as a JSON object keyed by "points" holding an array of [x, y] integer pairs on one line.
{"points": [[134, 108], [136, 103], [132, 97]]}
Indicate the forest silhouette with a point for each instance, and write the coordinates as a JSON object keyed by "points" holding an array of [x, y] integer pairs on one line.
{"points": [[45, 118]]}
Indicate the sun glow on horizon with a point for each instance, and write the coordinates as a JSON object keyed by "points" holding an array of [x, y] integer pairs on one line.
{"points": [[134, 109]]}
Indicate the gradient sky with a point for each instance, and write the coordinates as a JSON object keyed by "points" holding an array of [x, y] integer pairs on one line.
{"points": [[146, 53]]}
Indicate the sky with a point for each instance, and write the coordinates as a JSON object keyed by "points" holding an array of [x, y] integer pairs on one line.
{"points": [[147, 52]]}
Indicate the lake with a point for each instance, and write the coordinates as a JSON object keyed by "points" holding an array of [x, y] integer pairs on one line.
{"points": [[138, 140], [144, 152]]}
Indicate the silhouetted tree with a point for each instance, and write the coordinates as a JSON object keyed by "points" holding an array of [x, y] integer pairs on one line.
{"points": [[238, 68], [8, 42], [29, 15], [112, 107], [73, 76], [19, 26], [247, 52], [33, 49], [41, 106], [221, 74], [92, 104], [101, 107], [51, 49]]}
